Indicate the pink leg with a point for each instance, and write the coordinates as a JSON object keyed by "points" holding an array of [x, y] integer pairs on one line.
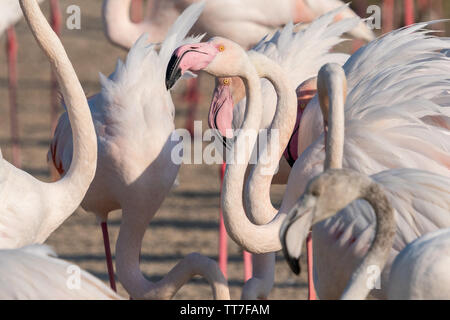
{"points": [[109, 263], [11, 47], [192, 97], [309, 253], [409, 12], [388, 15], [56, 21], [248, 267], [223, 251], [361, 7], [136, 11]]}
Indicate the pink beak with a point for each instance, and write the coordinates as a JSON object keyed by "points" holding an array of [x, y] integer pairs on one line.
{"points": [[221, 111], [193, 57]]}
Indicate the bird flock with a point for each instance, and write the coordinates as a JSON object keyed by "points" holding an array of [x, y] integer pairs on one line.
{"points": [[361, 141]]}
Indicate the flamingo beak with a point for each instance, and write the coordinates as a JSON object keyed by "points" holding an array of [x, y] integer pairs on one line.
{"points": [[294, 230], [193, 57]]}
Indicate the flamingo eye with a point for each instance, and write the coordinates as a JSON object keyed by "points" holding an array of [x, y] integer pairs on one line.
{"points": [[221, 48], [226, 82]]}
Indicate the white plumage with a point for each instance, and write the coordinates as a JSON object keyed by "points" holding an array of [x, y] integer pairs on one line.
{"points": [[396, 116], [34, 273], [420, 271]]}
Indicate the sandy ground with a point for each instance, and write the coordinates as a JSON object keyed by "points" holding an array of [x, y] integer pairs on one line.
{"points": [[188, 219]]}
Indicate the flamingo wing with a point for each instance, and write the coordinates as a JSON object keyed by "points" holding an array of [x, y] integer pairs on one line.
{"points": [[34, 272]]}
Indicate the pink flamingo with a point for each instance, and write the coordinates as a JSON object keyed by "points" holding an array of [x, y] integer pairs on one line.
{"points": [[219, 19], [134, 121], [290, 57], [402, 189], [221, 57], [302, 64], [56, 23]]}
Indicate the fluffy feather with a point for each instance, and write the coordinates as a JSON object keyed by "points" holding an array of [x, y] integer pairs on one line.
{"points": [[300, 54], [33, 272]]}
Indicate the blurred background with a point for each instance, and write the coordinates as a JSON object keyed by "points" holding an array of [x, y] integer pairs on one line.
{"points": [[188, 219]]}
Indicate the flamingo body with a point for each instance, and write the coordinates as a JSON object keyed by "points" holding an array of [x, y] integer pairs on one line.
{"points": [[244, 22], [420, 270], [34, 273]]}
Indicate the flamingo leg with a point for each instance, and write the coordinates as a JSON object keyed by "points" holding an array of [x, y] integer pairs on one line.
{"points": [[11, 47], [56, 22], [309, 253], [388, 15], [136, 11], [192, 96], [409, 12], [109, 263], [248, 267], [223, 244]]}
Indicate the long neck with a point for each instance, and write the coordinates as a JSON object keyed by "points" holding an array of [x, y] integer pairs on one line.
{"points": [[117, 23], [253, 238], [332, 84], [65, 195], [128, 247], [257, 195], [378, 253], [123, 32]]}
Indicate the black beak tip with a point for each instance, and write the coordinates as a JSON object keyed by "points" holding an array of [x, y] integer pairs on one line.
{"points": [[173, 72], [294, 265]]}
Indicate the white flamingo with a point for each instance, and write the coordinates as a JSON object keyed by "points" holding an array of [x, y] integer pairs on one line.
{"points": [[300, 54], [244, 22], [412, 193], [35, 273], [31, 210], [134, 120], [408, 64]]}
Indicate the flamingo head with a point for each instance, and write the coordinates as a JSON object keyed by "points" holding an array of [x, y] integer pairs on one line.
{"points": [[227, 92], [219, 57]]}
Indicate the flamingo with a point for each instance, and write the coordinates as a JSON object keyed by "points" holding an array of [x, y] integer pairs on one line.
{"points": [[134, 120], [300, 54], [404, 190], [416, 59], [35, 273], [30, 209], [220, 18], [293, 51]]}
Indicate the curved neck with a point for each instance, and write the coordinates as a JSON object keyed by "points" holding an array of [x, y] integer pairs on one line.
{"points": [[128, 248], [119, 28], [65, 195], [257, 195], [332, 89], [378, 253], [253, 238]]}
